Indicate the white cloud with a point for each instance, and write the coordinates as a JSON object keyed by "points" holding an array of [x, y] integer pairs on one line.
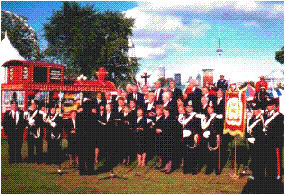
{"points": [[159, 25]]}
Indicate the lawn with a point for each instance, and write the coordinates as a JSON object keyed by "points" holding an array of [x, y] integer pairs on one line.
{"points": [[34, 178]]}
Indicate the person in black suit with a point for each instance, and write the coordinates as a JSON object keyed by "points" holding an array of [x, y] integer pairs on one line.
{"points": [[120, 105], [140, 127], [111, 137], [212, 137], [99, 100], [167, 101], [191, 136], [128, 143], [219, 103], [135, 95], [158, 93], [100, 131], [194, 96], [274, 140], [149, 107], [222, 83], [176, 92], [54, 127], [159, 120], [14, 125], [71, 130], [87, 124], [35, 133], [168, 134], [255, 138]]}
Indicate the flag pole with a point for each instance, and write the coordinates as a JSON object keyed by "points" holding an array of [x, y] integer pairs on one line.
{"points": [[235, 175]]}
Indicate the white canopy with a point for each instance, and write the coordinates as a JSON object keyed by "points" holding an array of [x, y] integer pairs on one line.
{"points": [[7, 53]]}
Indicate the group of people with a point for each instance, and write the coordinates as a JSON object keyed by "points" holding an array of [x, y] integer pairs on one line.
{"points": [[179, 128]]}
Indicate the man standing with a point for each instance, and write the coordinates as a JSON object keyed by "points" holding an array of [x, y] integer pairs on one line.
{"points": [[261, 83], [35, 133], [274, 136], [158, 93], [176, 92], [86, 123], [14, 125], [222, 83]]}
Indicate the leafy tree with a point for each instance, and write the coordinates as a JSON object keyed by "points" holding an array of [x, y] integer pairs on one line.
{"points": [[86, 39], [244, 84], [279, 56], [21, 35]]}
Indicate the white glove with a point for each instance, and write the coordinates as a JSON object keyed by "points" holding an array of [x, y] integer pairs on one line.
{"points": [[251, 140], [32, 122], [206, 134], [53, 124], [186, 133], [52, 136]]}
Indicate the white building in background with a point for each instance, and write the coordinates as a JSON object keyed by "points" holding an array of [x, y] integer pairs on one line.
{"points": [[275, 77], [131, 46], [161, 71]]}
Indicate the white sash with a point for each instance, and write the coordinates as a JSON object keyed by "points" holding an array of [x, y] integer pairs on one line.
{"points": [[250, 127], [186, 121], [269, 121], [205, 124]]}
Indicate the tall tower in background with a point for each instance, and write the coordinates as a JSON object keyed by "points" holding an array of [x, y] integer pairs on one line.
{"points": [[177, 79], [219, 67]]}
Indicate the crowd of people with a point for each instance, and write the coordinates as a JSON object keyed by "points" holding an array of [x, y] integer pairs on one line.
{"points": [[180, 128]]}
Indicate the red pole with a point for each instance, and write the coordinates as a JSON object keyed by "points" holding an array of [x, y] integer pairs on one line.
{"points": [[278, 162], [219, 160], [197, 166]]}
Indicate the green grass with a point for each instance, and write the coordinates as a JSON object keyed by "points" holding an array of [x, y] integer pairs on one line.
{"points": [[37, 179]]}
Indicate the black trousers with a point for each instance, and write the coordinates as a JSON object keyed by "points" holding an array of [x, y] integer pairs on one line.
{"points": [[190, 160], [54, 150], [86, 157], [15, 143], [271, 162], [32, 144]]}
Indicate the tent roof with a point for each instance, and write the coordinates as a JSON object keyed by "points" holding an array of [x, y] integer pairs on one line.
{"points": [[8, 51]]}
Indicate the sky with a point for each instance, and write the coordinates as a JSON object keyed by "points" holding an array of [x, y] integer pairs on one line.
{"points": [[183, 35]]}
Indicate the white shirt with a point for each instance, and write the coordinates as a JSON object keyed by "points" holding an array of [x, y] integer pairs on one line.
{"points": [[157, 118], [99, 101], [126, 114], [120, 109], [149, 106], [109, 101], [108, 116], [157, 92], [73, 121], [135, 96], [165, 104], [138, 120], [15, 114], [219, 100]]}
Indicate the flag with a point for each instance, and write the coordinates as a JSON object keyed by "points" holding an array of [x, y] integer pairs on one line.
{"points": [[235, 120]]}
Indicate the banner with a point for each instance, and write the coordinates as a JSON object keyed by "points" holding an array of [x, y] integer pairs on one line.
{"points": [[235, 114]]}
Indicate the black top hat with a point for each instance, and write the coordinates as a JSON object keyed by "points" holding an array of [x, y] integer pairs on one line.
{"points": [[13, 102]]}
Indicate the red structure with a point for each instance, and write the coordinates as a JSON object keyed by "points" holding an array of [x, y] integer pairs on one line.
{"points": [[43, 81]]}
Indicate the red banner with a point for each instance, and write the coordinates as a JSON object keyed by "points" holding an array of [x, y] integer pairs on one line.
{"points": [[235, 113]]}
